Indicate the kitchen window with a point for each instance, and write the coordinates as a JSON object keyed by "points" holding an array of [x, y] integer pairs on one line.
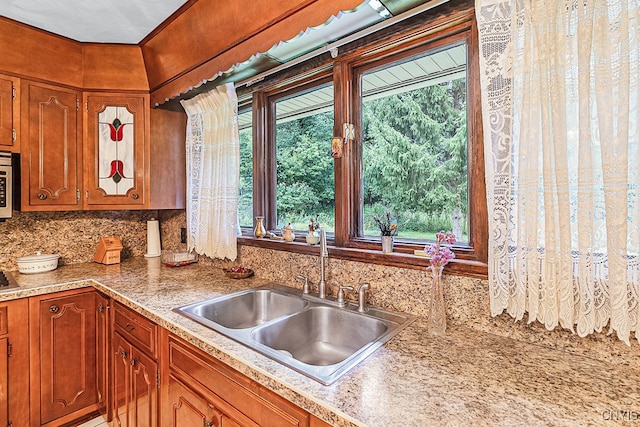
{"points": [[245, 196], [304, 169], [413, 99], [414, 144]]}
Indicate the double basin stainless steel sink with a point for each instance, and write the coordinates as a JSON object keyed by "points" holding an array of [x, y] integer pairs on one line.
{"points": [[313, 336]]}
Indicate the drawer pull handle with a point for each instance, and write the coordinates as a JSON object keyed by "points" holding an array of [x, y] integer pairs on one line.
{"points": [[54, 309], [129, 327]]}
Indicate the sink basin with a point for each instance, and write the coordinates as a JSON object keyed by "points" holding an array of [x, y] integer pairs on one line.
{"points": [[313, 336], [320, 335], [245, 309]]}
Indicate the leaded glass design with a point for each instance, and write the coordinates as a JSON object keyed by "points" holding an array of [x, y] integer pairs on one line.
{"points": [[116, 157]]}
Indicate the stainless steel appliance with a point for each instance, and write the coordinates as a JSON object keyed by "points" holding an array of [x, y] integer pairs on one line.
{"points": [[6, 185]]}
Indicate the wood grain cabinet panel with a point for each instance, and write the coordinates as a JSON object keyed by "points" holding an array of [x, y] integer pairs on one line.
{"points": [[195, 383], [103, 342], [187, 408], [135, 369], [116, 151], [8, 92], [64, 363], [50, 147], [4, 381], [14, 363]]}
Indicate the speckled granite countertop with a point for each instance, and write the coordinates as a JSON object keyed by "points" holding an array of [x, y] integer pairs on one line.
{"points": [[464, 378]]}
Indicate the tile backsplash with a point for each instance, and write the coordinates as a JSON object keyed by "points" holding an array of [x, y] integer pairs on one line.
{"points": [[75, 236]]}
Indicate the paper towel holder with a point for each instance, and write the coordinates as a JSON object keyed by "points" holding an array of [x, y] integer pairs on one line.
{"points": [[153, 239]]}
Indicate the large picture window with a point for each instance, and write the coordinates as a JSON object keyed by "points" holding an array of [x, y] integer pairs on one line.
{"points": [[414, 144], [416, 150]]}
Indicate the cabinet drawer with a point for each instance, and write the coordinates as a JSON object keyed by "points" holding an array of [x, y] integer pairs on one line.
{"points": [[260, 405], [136, 328]]}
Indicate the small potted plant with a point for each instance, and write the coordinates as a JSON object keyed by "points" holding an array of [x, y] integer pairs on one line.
{"points": [[388, 229], [314, 225]]}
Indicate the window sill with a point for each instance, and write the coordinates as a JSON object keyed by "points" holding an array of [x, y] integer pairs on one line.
{"points": [[459, 267]]}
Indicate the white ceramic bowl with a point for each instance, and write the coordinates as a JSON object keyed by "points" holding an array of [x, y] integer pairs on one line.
{"points": [[37, 263]]}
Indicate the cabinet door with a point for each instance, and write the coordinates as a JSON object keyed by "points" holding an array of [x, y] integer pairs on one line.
{"points": [[116, 151], [186, 408], [144, 390], [104, 350], [135, 386], [4, 382], [7, 94], [50, 148], [65, 365], [121, 381], [14, 363]]}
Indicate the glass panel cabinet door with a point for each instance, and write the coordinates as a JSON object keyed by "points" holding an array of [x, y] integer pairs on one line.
{"points": [[115, 150]]}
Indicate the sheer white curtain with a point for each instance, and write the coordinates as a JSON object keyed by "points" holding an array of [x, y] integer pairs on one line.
{"points": [[561, 124], [213, 172]]}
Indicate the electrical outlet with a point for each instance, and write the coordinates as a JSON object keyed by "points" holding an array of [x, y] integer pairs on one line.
{"points": [[183, 235]]}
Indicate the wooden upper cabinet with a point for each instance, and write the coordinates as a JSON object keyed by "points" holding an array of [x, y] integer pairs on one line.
{"points": [[116, 151], [50, 147], [8, 114]]}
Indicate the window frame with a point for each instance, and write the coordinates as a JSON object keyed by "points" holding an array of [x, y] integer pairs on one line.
{"points": [[471, 259]]}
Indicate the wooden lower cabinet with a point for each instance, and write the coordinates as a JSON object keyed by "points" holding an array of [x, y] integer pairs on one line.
{"points": [[199, 390], [14, 363], [64, 363], [135, 386], [184, 407]]}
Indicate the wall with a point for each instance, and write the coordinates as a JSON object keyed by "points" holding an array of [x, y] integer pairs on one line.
{"points": [[73, 235], [35, 54]]}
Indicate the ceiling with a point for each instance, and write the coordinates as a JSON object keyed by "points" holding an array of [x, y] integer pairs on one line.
{"points": [[102, 21]]}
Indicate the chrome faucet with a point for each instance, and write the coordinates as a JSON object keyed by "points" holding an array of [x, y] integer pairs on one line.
{"points": [[322, 285], [361, 297]]}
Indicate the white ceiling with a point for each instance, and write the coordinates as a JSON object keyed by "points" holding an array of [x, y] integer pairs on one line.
{"points": [[102, 21]]}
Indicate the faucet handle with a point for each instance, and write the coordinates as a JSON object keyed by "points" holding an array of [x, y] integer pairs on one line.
{"points": [[305, 285], [341, 300], [361, 297]]}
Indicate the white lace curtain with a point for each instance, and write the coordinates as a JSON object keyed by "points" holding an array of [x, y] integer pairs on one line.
{"points": [[213, 172], [561, 119]]}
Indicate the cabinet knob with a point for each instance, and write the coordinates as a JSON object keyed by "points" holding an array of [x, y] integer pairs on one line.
{"points": [[42, 196], [133, 362], [54, 309], [123, 354], [208, 424], [134, 196]]}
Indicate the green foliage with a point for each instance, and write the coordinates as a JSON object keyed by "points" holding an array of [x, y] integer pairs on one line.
{"points": [[245, 202], [304, 166], [414, 155], [414, 147]]}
